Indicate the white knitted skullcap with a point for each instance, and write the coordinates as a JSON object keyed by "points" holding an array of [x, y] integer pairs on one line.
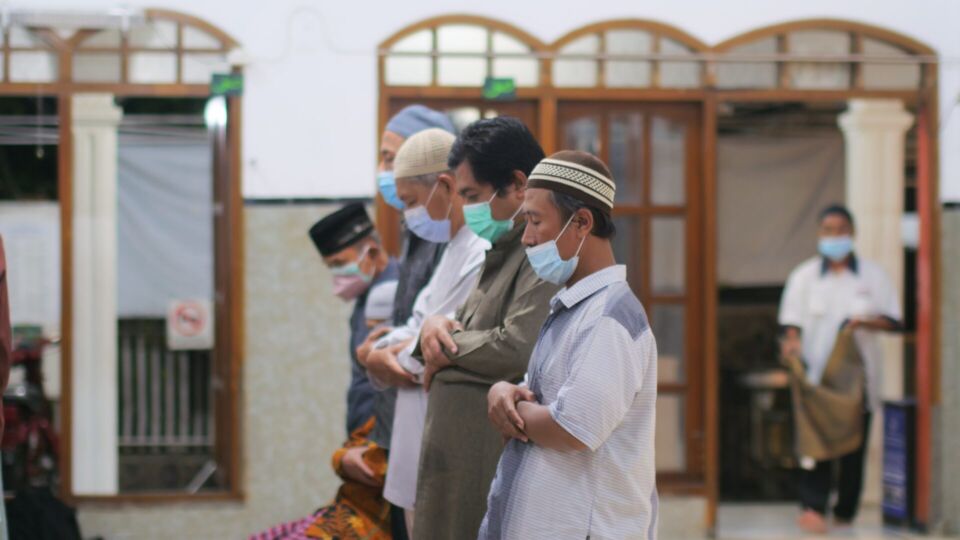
{"points": [[423, 153]]}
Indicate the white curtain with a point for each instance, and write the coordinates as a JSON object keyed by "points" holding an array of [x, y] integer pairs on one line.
{"points": [[165, 221], [770, 191]]}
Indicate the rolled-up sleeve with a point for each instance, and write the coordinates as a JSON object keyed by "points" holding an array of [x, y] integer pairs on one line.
{"points": [[604, 383]]}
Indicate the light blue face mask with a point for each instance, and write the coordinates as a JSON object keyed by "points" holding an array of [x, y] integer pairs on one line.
{"points": [[835, 248], [546, 262], [387, 185], [479, 218], [424, 226]]}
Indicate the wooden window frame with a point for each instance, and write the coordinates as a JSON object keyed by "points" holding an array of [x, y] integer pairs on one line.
{"points": [[708, 98], [228, 243]]}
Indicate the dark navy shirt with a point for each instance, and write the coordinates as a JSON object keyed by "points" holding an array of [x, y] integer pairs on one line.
{"points": [[361, 396]]}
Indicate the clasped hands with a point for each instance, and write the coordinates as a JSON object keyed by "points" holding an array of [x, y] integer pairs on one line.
{"points": [[503, 402]]}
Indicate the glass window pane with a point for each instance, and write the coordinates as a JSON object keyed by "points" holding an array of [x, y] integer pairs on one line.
{"points": [[668, 257], [33, 66], [523, 71], [504, 43], [624, 73], [626, 159], [819, 75], [678, 74], [582, 134], [461, 71], [749, 74], [199, 68], [155, 35], [667, 322], [421, 41], [669, 148], [96, 67], [462, 38], [151, 67], [883, 76], [194, 38], [107, 38], [670, 444], [628, 42], [577, 72], [21, 37], [627, 245], [408, 71]]}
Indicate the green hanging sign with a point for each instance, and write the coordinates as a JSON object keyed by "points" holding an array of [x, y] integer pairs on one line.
{"points": [[226, 84], [499, 89]]}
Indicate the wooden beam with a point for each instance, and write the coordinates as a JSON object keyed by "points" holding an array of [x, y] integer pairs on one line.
{"points": [[65, 197], [711, 372]]}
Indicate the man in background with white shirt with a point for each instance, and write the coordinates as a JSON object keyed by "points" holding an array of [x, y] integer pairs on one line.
{"points": [[822, 295]]}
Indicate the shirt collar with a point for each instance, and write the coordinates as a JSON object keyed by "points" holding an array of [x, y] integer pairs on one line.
{"points": [[586, 287], [852, 264], [509, 238]]}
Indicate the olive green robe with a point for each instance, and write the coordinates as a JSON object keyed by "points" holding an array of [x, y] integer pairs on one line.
{"points": [[501, 322]]}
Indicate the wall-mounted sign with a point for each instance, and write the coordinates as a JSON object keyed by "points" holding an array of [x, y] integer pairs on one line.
{"points": [[190, 325], [226, 84], [499, 89]]}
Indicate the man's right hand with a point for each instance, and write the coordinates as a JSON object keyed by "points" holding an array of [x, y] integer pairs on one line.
{"points": [[382, 364], [356, 469], [502, 402], [364, 349], [435, 336]]}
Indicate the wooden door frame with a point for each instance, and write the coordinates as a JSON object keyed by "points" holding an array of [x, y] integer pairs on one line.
{"points": [[708, 100], [229, 271]]}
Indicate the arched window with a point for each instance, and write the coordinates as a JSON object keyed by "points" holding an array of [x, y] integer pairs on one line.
{"points": [[460, 51], [158, 48], [628, 54], [821, 54]]}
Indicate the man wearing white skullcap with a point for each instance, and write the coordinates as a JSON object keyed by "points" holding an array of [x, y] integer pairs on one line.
{"points": [[434, 212]]}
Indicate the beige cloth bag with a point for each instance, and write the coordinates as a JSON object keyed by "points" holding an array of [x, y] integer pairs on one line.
{"points": [[828, 418]]}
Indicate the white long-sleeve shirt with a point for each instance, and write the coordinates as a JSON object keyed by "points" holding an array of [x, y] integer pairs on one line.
{"points": [[454, 277]]}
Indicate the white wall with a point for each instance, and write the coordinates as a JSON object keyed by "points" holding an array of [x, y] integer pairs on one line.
{"points": [[310, 111]]}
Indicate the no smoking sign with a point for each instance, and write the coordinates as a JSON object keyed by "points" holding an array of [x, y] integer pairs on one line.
{"points": [[190, 325]]}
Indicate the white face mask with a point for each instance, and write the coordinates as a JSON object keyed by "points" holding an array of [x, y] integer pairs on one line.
{"points": [[424, 226]]}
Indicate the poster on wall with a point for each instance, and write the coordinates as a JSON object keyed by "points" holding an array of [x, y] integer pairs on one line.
{"points": [[190, 325]]}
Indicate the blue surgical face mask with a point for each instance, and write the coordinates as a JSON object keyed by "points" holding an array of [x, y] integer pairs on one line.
{"points": [[424, 226], [835, 248], [387, 185], [479, 218], [546, 262]]}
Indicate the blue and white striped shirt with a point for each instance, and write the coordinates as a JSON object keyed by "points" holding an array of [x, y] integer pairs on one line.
{"points": [[595, 367]]}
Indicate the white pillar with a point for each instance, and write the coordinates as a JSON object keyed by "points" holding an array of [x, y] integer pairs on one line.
{"points": [[94, 355], [874, 131]]}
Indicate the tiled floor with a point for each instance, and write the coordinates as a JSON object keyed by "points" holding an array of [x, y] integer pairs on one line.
{"points": [[777, 522]]}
